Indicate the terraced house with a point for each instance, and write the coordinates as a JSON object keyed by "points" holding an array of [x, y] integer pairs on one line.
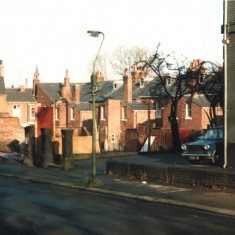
{"points": [[127, 115], [128, 118]]}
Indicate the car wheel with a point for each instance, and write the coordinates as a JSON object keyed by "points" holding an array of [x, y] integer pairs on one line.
{"points": [[218, 160]]}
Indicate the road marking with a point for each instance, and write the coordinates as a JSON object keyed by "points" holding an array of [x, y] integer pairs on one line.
{"points": [[157, 187], [166, 189]]}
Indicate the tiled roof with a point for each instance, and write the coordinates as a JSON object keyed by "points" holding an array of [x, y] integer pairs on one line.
{"points": [[144, 91], [2, 86], [137, 106], [201, 101], [105, 90], [137, 90], [52, 90], [83, 106], [14, 94]]}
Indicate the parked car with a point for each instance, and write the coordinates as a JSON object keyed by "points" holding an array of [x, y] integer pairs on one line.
{"points": [[209, 147]]}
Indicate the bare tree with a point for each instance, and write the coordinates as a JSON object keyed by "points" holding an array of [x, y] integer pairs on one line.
{"points": [[102, 64], [124, 57], [173, 85], [210, 82], [177, 80]]}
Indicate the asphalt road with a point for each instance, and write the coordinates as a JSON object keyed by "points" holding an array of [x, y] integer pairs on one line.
{"points": [[28, 208]]}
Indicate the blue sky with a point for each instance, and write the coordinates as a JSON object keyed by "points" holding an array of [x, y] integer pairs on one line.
{"points": [[51, 34]]}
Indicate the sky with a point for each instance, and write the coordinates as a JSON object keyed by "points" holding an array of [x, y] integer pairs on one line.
{"points": [[52, 34]]}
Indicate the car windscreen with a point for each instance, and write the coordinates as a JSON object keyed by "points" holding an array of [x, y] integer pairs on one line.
{"points": [[214, 134]]}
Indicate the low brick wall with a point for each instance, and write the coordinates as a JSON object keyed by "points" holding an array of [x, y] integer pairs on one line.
{"points": [[184, 175]]}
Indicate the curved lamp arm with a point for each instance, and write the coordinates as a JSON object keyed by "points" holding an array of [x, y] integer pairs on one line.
{"points": [[95, 33]]}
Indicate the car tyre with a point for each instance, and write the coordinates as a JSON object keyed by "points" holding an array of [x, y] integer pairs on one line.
{"points": [[218, 160]]}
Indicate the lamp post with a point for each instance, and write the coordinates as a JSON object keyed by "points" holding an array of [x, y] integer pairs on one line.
{"points": [[94, 33]]}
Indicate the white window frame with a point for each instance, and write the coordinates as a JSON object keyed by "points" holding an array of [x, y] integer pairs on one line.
{"points": [[32, 111], [188, 110], [57, 114], [16, 110], [158, 110], [124, 113], [72, 117], [102, 112]]}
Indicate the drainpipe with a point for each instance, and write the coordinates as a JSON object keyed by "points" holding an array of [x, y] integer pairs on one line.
{"points": [[225, 83]]}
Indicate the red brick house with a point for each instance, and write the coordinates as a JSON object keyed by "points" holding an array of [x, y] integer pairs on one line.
{"points": [[121, 107], [22, 104], [125, 111]]}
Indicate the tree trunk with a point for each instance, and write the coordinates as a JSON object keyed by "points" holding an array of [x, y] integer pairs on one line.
{"points": [[175, 135], [175, 128]]}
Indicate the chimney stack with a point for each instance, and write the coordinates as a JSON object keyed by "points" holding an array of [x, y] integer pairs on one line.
{"points": [[100, 76], [127, 86], [76, 94], [1, 69], [66, 88], [36, 81], [138, 73], [22, 88]]}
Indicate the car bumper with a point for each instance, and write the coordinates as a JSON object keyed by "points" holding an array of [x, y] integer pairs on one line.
{"points": [[193, 156]]}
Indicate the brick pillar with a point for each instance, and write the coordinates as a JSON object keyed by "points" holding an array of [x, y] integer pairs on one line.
{"points": [[47, 156], [29, 145], [67, 148]]}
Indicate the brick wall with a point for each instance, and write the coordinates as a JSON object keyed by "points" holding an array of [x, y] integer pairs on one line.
{"points": [[198, 120], [10, 130], [185, 175], [81, 145], [113, 108], [3, 104], [24, 111]]}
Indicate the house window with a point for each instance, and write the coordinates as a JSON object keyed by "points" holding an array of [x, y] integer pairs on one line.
{"points": [[113, 138], [123, 113], [102, 112], [32, 112], [158, 110], [189, 110], [57, 114], [72, 117], [16, 111]]}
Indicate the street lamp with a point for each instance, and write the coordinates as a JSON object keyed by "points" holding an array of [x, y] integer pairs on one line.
{"points": [[94, 33]]}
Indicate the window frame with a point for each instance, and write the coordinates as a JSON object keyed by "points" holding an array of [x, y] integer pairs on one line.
{"points": [[32, 112], [102, 112], [124, 117], [57, 114], [72, 114], [158, 110], [188, 110]]}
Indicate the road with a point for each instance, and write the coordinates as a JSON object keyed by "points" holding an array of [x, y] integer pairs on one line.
{"points": [[40, 209]]}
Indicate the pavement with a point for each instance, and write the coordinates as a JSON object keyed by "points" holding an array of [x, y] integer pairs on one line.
{"points": [[210, 200]]}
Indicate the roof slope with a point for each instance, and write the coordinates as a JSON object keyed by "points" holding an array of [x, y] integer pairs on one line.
{"points": [[201, 101], [15, 95], [52, 90]]}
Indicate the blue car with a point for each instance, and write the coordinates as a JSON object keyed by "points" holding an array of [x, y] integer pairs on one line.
{"points": [[208, 148]]}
